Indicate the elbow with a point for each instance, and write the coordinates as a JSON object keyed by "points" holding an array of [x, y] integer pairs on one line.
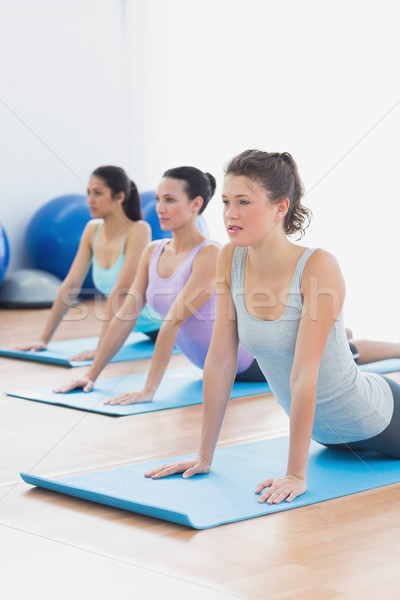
{"points": [[223, 366], [171, 325], [68, 292], [172, 322], [303, 385], [226, 361], [130, 309]]}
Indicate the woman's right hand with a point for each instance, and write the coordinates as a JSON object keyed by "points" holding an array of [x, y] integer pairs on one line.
{"points": [[84, 383], [188, 468], [33, 347]]}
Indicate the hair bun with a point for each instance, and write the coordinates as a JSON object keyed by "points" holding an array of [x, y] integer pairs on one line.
{"points": [[213, 182]]}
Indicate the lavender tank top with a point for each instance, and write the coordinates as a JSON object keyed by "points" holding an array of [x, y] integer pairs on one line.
{"points": [[194, 335]]}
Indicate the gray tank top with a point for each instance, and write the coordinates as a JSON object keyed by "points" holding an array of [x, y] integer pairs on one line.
{"points": [[351, 405]]}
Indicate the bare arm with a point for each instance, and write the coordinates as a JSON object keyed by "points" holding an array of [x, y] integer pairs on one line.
{"points": [[198, 289], [323, 290], [221, 363], [219, 373], [136, 241], [69, 289], [118, 330]]}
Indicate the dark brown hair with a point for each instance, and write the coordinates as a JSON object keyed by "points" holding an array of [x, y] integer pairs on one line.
{"points": [[118, 181], [278, 175], [196, 183]]}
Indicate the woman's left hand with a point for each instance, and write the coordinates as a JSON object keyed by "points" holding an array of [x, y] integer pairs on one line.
{"points": [[84, 355], [131, 398], [287, 488]]}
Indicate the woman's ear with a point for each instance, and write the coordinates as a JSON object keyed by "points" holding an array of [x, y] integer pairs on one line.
{"points": [[120, 197], [282, 209], [197, 203]]}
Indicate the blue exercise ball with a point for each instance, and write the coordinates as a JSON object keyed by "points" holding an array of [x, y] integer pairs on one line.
{"points": [[53, 235], [4, 253], [146, 197], [150, 215]]}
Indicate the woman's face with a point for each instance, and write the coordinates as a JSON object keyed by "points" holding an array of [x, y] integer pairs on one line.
{"points": [[174, 208], [249, 215], [100, 198]]}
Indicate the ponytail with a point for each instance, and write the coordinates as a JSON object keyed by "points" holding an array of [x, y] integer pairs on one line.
{"points": [[131, 203]]}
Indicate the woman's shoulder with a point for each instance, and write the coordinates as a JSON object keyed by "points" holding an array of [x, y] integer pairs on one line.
{"points": [[93, 224], [320, 260], [138, 235], [228, 251], [156, 243], [322, 271], [206, 257], [90, 229], [225, 259], [209, 248], [139, 229], [151, 248]]}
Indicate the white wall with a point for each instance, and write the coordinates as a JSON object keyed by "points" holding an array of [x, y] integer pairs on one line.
{"points": [[199, 82], [63, 103], [317, 79]]}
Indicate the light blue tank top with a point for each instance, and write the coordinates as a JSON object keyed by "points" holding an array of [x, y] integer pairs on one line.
{"points": [[351, 405], [105, 279]]}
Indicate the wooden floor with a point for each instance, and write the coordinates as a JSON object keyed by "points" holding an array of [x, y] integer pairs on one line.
{"points": [[344, 548]]}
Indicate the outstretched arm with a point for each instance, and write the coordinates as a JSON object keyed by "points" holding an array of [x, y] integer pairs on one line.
{"points": [[136, 241], [197, 290], [323, 291], [219, 373], [119, 328], [68, 291]]}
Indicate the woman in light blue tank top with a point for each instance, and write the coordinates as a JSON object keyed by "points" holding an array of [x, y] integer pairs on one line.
{"points": [[107, 281], [288, 303], [177, 278], [113, 240]]}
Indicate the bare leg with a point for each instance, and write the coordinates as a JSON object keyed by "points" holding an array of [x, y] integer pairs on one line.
{"points": [[370, 351]]}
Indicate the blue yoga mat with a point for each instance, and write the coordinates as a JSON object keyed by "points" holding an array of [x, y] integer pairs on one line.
{"points": [[227, 493], [136, 347], [391, 365], [179, 387]]}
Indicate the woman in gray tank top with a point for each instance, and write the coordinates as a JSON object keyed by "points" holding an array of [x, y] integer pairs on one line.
{"points": [[284, 303]]}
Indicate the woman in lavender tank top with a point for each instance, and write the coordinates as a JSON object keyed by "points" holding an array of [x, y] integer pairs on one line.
{"points": [[288, 303], [178, 279]]}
